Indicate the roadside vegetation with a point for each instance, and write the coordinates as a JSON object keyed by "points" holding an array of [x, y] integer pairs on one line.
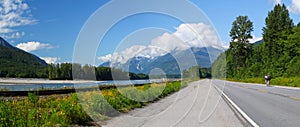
{"points": [[280, 81], [277, 54], [66, 110]]}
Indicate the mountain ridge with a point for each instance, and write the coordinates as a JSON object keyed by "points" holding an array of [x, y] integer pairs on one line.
{"points": [[5, 43], [15, 62], [168, 63]]}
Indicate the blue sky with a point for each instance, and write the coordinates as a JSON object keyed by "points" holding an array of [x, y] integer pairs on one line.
{"points": [[50, 28]]}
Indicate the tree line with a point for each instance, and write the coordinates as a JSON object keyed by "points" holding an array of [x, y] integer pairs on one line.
{"points": [[278, 54], [68, 71], [197, 72]]}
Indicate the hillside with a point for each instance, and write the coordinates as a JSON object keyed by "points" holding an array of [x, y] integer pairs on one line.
{"points": [[15, 62]]}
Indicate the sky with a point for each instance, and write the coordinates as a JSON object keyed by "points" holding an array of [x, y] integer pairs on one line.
{"points": [[51, 29]]}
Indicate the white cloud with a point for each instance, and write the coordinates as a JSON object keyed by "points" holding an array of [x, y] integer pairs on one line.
{"points": [[185, 36], [124, 56], [50, 60], [14, 35], [169, 42], [128, 53], [105, 58], [14, 13], [225, 45], [295, 6], [255, 39], [32, 46]]}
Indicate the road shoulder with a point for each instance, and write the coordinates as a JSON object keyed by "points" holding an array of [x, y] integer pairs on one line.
{"points": [[199, 104]]}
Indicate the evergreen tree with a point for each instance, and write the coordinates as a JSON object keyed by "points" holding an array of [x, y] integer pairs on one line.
{"points": [[51, 71], [278, 25], [292, 46], [278, 53], [240, 48], [66, 71], [57, 71]]}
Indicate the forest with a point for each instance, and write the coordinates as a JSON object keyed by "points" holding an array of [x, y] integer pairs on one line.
{"points": [[18, 63], [278, 54], [68, 71]]}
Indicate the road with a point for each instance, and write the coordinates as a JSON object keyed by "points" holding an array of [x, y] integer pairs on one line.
{"points": [[267, 106], [197, 105]]}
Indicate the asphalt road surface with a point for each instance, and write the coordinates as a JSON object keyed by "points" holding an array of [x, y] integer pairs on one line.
{"points": [[267, 106], [197, 105]]}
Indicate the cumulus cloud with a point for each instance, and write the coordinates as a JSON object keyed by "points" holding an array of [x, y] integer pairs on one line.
{"points": [[124, 56], [255, 39], [32, 46], [185, 36], [128, 53], [50, 60], [295, 6], [105, 58], [198, 35], [14, 13]]}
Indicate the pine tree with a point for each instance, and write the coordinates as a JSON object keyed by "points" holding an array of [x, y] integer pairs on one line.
{"points": [[240, 48], [278, 25]]}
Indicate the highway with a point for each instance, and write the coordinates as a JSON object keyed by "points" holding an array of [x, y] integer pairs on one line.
{"points": [[266, 106]]}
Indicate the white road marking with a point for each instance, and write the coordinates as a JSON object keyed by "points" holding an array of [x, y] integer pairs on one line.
{"points": [[238, 109]]}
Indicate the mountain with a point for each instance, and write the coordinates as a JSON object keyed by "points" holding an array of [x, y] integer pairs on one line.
{"points": [[169, 62], [257, 42], [15, 62], [5, 44]]}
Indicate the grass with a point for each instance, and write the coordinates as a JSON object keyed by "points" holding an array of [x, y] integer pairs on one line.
{"points": [[35, 111], [81, 108], [292, 82], [279, 81], [248, 80], [4, 89]]}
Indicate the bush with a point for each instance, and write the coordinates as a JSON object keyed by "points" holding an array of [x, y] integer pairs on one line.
{"points": [[65, 110], [42, 112]]}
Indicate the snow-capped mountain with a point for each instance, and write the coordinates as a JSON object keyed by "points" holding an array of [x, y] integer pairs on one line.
{"points": [[171, 63]]}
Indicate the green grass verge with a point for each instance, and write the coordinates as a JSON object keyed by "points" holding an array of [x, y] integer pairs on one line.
{"points": [[66, 110]]}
